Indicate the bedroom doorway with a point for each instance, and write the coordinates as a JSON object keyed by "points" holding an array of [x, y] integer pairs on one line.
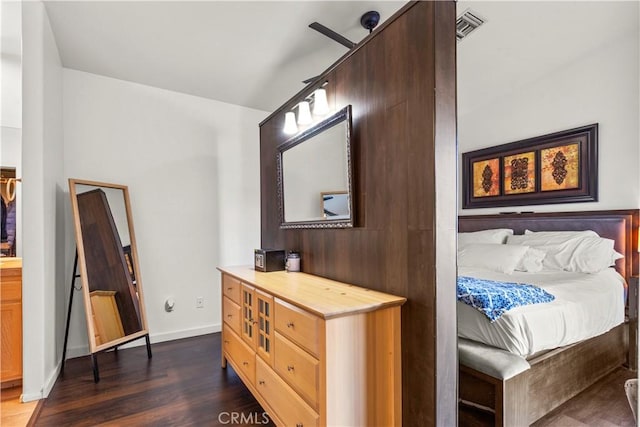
{"points": [[526, 71]]}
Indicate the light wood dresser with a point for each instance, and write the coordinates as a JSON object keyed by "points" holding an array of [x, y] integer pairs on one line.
{"points": [[313, 351]]}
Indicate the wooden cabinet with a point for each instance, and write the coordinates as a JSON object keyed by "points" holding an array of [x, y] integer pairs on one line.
{"points": [[264, 344], [248, 315], [313, 351], [11, 321]]}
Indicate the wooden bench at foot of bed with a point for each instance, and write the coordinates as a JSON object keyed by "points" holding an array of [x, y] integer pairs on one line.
{"points": [[519, 392]]}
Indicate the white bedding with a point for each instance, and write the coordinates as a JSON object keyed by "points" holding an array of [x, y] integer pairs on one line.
{"points": [[586, 306]]}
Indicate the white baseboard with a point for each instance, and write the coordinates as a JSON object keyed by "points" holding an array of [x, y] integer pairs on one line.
{"points": [[30, 397], [78, 351], [176, 335], [155, 338], [46, 388], [50, 382]]}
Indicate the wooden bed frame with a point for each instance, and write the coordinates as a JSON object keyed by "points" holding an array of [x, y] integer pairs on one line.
{"points": [[558, 375]]}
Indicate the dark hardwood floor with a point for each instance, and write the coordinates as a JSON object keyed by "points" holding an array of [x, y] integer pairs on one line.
{"points": [[602, 405], [183, 385]]}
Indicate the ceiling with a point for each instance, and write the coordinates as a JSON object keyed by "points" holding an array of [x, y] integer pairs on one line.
{"points": [[254, 54], [257, 53], [523, 41]]}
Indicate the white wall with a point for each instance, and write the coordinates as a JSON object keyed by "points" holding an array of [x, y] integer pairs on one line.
{"points": [[601, 87], [192, 168], [10, 87], [11, 70], [43, 208], [11, 99]]}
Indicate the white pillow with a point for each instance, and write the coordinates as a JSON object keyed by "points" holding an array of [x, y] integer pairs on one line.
{"points": [[592, 254], [563, 234], [615, 255], [583, 252], [498, 235], [558, 246], [491, 256], [531, 262]]}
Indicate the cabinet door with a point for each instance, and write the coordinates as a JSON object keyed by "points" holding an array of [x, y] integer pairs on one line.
{"points": [[249, 315], [265, 326], [11, 355]]}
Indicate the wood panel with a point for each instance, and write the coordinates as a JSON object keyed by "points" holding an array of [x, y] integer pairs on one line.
{"points": [[554, 380], [400, 81]]}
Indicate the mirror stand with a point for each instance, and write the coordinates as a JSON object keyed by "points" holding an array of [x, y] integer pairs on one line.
{"points": [[94, 357]]}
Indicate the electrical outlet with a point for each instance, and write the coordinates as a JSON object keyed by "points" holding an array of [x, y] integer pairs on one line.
{"points": [[199, 302]]}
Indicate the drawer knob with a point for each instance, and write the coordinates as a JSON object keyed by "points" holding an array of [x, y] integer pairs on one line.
{"points": [[290, 368], [299, 425], [261, 382], [245, 363], [290, 325], [229, 288], [226, 341], [229, 315]]}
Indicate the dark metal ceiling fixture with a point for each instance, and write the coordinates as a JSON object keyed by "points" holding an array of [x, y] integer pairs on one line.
{"points": [[369, 20]]}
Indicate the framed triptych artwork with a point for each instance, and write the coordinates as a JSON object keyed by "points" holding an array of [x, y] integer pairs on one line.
{"points": [[557, 168]]}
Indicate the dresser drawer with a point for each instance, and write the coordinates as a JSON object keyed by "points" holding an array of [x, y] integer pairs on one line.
{"points": [[231, 288], [297, 368], [297, 325], [289, 407], [241, 355], [231, 314]]}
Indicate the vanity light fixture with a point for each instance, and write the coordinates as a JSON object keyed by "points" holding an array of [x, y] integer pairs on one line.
{"points": [[320, 104], [290, 126], [316, 101], [304, 113]]}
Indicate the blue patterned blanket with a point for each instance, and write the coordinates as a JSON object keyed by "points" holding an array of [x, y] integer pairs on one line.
{"points": [[494, 298]]}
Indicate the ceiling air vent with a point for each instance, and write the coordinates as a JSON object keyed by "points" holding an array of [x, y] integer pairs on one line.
{"points": [[467, 23]]}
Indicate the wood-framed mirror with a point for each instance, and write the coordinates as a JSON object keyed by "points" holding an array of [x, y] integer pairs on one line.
{"points": [[107, 262]]}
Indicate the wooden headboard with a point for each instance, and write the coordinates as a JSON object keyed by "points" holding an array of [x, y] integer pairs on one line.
{"points": [[618, 225]]}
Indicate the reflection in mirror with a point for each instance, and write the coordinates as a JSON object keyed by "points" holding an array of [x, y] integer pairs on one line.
{"points": [[317, 162], [108, 263], [335, 204]]}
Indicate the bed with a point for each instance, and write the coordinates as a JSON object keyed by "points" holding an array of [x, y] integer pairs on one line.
{"points": [[521, 381]]}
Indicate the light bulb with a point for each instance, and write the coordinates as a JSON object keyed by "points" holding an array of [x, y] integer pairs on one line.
{"points": [[304, 113], [290, 126], [320, 105]]}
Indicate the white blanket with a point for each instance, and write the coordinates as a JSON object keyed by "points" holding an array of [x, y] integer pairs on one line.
{"points": [[586, 306]]}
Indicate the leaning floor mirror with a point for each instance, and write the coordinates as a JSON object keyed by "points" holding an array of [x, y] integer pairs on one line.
{"points": [[107, 262]]}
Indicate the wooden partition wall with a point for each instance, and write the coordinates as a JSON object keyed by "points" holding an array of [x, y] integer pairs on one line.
{"points": [[400, 81]]}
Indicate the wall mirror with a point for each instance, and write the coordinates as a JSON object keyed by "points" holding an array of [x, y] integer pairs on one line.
{"points": [[107, 261], [315, 175]]}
